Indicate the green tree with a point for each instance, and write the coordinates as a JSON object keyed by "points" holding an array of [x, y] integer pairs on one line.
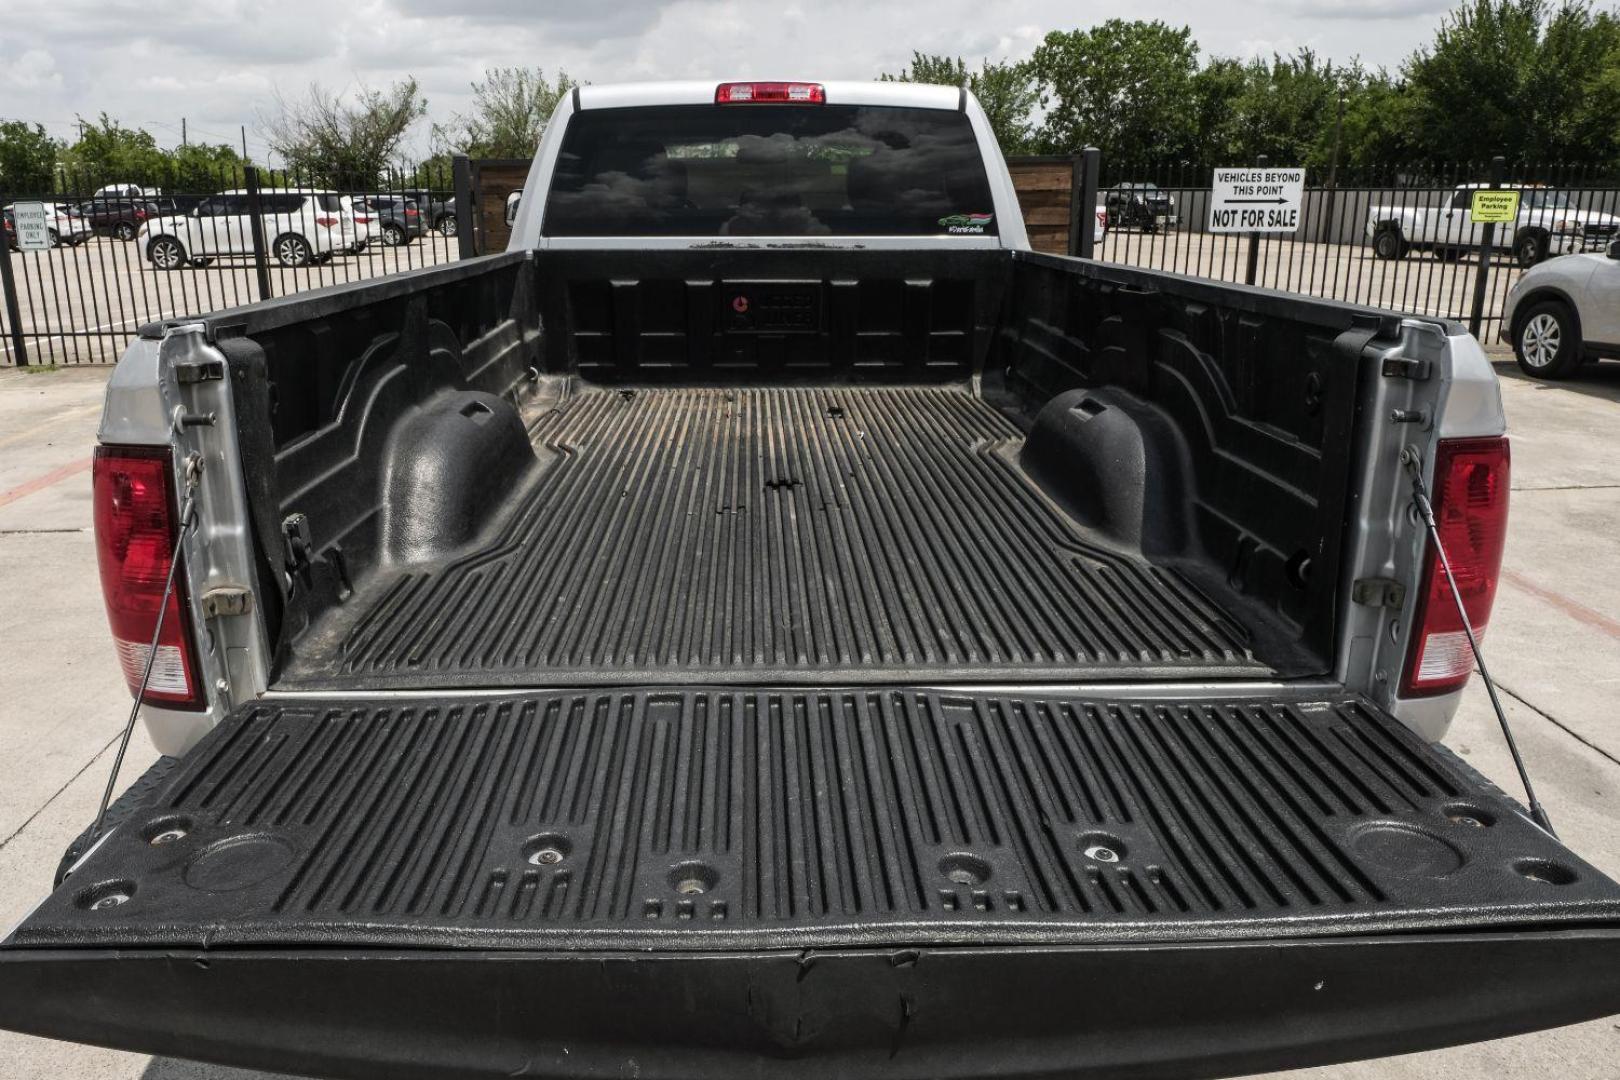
{"points": [[511, 107], [106, 152], [200, 169], [27, 158], [1123, 86], [1006, 91], [1522, 78], [327, 140]]}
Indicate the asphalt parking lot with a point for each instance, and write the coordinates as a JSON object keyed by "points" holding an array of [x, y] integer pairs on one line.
{"points": [[1554, 643], [87, 301]]}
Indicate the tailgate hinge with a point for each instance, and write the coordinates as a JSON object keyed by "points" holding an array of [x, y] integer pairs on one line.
{"points": [[1378, 592], [187, 372], [1401, 367], [226, 600]]}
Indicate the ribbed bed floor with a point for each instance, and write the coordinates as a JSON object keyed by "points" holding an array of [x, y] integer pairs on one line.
{"points": [[807, 535]]}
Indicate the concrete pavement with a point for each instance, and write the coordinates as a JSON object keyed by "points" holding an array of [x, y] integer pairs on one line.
{"points": [[1554, 642]]}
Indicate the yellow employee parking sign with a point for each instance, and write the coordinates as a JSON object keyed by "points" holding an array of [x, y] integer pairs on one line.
{"points": [[1491, 205]]}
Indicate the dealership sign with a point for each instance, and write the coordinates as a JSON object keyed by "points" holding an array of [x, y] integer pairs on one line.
{"points": [[1256, 200]]}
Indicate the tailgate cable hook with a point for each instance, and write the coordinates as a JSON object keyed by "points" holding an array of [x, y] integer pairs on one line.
{"points": [[1420, 499], [188, 515]]}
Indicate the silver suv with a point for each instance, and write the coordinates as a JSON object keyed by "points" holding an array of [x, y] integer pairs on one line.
{"points": [[1565, 312]]}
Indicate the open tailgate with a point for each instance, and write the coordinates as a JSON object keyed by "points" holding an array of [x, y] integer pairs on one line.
{"points": [[899, 882]]}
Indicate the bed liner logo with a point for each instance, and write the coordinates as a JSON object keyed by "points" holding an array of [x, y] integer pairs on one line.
{"points": [[966, 223]]}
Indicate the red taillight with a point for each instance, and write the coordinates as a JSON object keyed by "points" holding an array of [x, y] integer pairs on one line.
{"points": [[364, 219], [1470, 510], [773, 93], [412, 212], [327, 222], [140, 215], [135, 532]]}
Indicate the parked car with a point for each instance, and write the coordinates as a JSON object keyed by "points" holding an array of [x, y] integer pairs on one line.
{"points": [[10, 228], [1549, 223], [1564, 313], [125, 191], [300, 227], [769, 621], [63, 224], [396, 220], [118, 217], [1140, 205], [444, 219]]}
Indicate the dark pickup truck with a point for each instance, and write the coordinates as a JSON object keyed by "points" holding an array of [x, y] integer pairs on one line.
{"points": [[770, 622]]}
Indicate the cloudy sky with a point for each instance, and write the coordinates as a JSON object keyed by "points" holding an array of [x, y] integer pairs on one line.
{"points": [[218, 62]]}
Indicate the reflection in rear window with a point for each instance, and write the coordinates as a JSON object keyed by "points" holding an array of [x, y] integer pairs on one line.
{"points": [[769, 170]]}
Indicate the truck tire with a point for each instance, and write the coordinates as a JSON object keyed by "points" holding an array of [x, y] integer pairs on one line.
{"points": [[1529, 248], [1547, 341], [1390, 244], [124, 231]]}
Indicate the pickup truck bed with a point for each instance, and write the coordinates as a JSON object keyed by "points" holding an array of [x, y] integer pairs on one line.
{"points": [[747, 662], [825, 534]]}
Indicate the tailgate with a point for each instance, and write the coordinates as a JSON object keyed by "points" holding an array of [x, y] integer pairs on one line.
{"points": [[892, 881]]}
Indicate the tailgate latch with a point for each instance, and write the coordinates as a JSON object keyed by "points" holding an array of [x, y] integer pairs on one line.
{"points": [[1378, 592], [226, 600]]}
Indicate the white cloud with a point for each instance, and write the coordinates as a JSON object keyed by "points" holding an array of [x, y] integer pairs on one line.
{"points": [[34, 69]]}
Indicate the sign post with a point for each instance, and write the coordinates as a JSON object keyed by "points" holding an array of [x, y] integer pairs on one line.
{"points": [[33, 228], [1493, 202]]}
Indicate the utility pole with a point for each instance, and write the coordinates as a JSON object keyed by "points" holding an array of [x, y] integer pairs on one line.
{"points": [[1333, 166], [244, 142], [182, 131]]}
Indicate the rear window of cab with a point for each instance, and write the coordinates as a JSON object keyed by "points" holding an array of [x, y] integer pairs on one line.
{"points": [[769, 170]]}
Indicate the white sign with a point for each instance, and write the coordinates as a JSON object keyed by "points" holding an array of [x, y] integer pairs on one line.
{"points": [[33, 234], [1256, 200]]}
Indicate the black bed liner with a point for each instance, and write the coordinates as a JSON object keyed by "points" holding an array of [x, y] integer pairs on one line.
{"points": [[814, 883], [743, 535], [708, 818]]}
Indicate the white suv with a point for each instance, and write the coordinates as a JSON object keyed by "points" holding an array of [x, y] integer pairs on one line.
{"points": [[300, 227], [1565, 312]]}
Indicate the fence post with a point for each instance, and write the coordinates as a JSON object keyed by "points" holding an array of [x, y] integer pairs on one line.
{"points": [[19, 347], [1083, 203], [461, 169], [1260, 162], [250, 176], [1487, 254]]}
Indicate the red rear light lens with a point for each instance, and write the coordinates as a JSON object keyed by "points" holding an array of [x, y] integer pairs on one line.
{"points": [[1470, 510], [411, 211], [326, 222], [773, 93], [135, 519]]}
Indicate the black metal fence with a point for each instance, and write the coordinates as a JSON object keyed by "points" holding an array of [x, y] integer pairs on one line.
{"points": [[122, 256], [1397, 237], [1394, 237]]}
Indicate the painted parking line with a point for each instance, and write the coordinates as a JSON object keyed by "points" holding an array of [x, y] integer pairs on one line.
{"points": [[1573, 608], [40, 483]]}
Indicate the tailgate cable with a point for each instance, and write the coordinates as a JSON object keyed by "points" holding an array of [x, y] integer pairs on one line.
{"points": [[1420, 499], [188, 514]]}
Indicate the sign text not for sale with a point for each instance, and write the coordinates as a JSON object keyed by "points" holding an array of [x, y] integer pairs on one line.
{"points": [[1256, 200]]}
